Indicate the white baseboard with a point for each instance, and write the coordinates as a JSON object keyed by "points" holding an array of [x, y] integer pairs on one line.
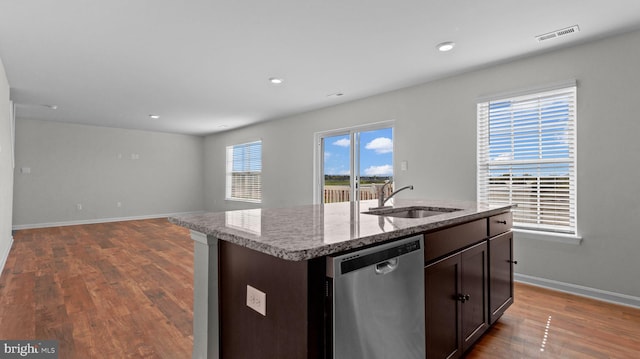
{"points": [[5, 255], [603, 295], [98, 220]]}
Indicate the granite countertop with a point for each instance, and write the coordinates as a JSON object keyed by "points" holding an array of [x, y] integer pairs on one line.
{"points": [[306, 232]]}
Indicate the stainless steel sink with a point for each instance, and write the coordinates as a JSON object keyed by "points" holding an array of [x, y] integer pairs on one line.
{"points": [[411, 212]]}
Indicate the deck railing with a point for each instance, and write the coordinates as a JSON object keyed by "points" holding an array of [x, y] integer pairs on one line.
{"points": [[334, 194]]}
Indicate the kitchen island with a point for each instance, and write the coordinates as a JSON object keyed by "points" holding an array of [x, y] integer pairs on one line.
{"points": [[281, 253]]}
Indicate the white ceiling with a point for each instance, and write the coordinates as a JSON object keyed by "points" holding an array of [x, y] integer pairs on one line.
{"points": [[204, 65]]}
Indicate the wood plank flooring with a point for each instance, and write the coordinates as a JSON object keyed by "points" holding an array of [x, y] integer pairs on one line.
{"points": [[548, 324], [125, 290], [114, 290]]}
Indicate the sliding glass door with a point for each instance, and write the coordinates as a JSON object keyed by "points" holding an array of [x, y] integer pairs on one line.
{"points": [[354, 163]]}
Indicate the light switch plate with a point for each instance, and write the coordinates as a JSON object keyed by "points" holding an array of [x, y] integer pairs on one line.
{"points": [[404, 165], [257, 300]]}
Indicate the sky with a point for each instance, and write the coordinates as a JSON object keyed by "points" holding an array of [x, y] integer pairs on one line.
{"points": [[376, 153], [246, 157], [530, 134]]}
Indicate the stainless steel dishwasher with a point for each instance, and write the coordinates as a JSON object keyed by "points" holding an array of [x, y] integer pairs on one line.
{"points": [[375, 301]]}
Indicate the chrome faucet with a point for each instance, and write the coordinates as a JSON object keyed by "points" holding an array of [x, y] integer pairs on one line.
{"points": [[382, 200]]}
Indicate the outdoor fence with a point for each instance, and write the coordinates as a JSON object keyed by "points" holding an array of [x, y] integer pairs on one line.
{"points": [[342, 193]]}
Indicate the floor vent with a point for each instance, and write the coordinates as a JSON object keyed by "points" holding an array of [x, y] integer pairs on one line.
{"points": [[558, 33]]}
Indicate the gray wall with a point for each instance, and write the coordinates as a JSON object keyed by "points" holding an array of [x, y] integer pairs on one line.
{"points": [[6, 169], [93, 166], [435, 132]]}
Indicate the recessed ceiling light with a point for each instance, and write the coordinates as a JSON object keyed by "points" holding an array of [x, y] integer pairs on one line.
{"points": [[337, 94], [276, 80], [446, 46], [155, 117]]}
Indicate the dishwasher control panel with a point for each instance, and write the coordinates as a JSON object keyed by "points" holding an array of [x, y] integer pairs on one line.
{"points": [[356, 262]]}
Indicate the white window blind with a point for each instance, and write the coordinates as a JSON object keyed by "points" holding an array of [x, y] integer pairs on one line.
{"points": [[527, 156], [244, 172]]}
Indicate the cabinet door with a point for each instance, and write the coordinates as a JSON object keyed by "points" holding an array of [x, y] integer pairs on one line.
{"points": [[442, 286], [500, 274], [474, 294]]}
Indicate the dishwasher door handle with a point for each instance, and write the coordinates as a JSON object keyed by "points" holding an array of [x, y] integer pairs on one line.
{"points": [[387, 266]]}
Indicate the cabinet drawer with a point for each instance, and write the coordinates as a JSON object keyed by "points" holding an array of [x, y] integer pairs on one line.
{"points": [[500, 223], [443, 242]]}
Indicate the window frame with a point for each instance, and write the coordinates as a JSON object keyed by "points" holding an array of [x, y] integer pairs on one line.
{"points": [[353, 132], [565, 91], [229, 172]]}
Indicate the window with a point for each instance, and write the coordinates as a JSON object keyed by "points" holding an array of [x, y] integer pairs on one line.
{"points": [[527, 156], [244, 172]]}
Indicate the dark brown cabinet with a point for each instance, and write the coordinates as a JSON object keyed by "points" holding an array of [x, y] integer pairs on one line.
{"points": [[442, 286], [468, 283], [500, 223], [474, 298], [456, 299], [501, 274]]}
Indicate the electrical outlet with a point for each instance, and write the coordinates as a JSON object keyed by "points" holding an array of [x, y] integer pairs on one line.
{"points": [[79, 206], [118, 204], [257, 300]]}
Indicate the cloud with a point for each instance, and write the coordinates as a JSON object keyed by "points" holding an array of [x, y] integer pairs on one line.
{"points": [[343, 142], [327, 154], [384, 170], [380, 145], [334, 171], [506, 156]]}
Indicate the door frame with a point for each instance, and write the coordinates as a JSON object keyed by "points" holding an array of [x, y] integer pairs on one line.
{"points": [[353, 132]]}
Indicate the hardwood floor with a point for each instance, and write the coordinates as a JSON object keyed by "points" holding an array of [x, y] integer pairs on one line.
{"points": [[124, 290], [548, 324], [114, 290]]}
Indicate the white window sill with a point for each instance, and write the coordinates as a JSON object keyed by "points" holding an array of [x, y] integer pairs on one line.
{"points": [[546, 236], [243, 200]]}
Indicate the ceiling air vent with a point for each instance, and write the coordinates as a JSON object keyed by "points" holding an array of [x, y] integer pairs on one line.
{"points": [[558, 33]]}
